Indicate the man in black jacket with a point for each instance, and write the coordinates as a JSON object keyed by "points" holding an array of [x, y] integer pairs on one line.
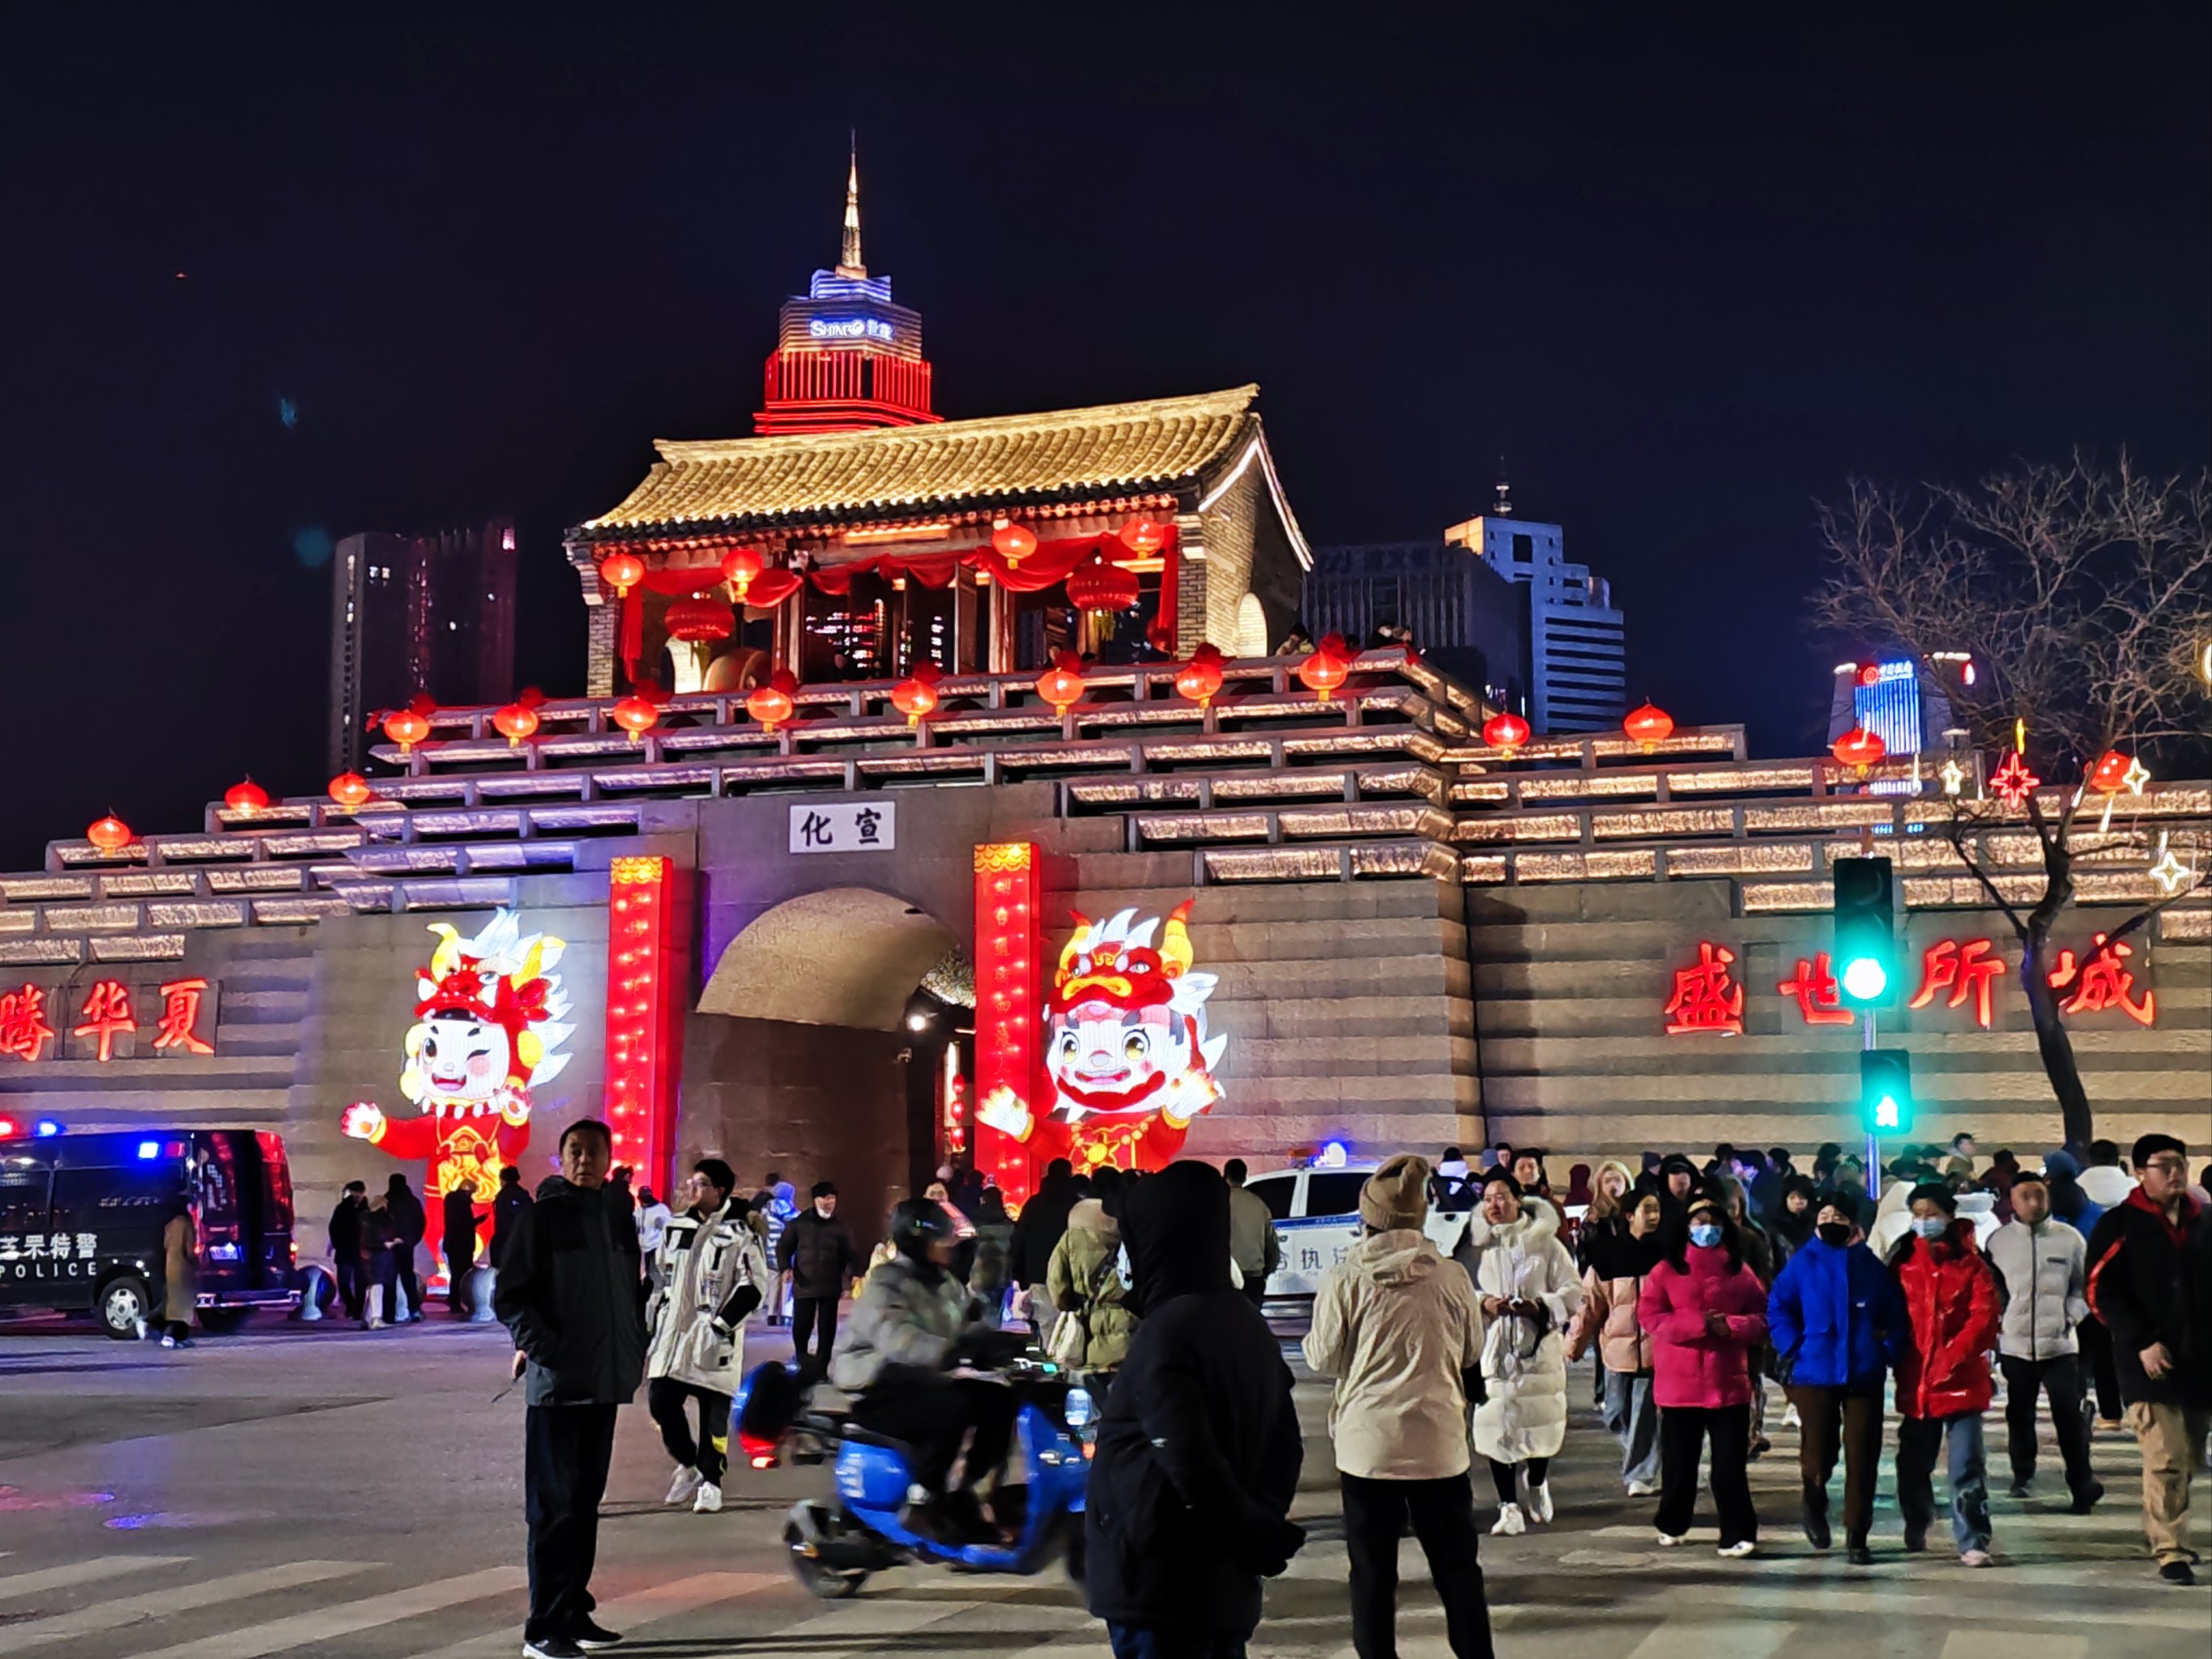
{"points": [[817, 1250], [506, 1209], [1036, 1230], [570, 1290], [409, 1219], [1199, 1449], [460, 1232], [2150, 1281], [345, 1248]]}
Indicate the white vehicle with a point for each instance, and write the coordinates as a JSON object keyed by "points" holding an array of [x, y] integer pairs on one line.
{"points": [[1316, 1211]]}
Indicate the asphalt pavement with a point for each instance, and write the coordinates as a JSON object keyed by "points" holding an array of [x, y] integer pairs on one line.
{"points": [[322, 1491]]}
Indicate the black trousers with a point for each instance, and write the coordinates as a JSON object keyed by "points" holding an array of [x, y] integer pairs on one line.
{"points": [[383, 1269], [403, 1264], [810, 1314], [1256, 1289], [566, 1452], [353, 1286], [710, 1453], [2097, 1366], [1683, 1431], [1501, 1476], [932, 1415], [2060, 1376], [1442, 1516]]}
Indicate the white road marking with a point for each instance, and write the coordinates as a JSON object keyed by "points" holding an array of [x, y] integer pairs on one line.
{"points": [[2018, 1644], [114, 1615], [347, 1617], [1681, 1638], [625, 1612], [864, 1620], [82, 1572]]}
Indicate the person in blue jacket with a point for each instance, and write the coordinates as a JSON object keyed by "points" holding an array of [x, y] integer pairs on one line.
{"points": [[1838, 1323]]}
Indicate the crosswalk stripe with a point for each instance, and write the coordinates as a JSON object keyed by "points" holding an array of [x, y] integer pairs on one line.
{"points": [[114, 1615], [2018, 1644], [82, 1572], [1680, 1638], [625, 1612], [863, 1621], [1995, 1608], [346, 1618]]}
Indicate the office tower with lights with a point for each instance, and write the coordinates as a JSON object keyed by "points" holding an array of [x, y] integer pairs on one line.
{"points": [[1575, 639]]}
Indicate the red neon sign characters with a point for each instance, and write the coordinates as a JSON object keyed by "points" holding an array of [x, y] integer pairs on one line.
{"points": [[1819, 1000], [2103, 982], [1964, 968], [24, 1032], [1707, 1000], [106, 1011]]}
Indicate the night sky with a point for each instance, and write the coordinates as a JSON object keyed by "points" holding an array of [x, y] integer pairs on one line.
{"points": [[1688, 267]]}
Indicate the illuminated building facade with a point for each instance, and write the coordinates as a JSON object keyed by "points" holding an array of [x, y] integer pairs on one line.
{"points": [[1906, 703], [1462, 615], [1575, 648]]}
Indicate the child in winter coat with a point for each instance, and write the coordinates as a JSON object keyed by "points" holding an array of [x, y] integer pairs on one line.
{"points": [[1943, 1383]]}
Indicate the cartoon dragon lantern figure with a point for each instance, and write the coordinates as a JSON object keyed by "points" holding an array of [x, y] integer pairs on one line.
{"points": [[489, 1021], [1125, 1049]]}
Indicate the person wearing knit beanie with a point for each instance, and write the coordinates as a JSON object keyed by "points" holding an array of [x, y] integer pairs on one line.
{"points": [[1396, 1196]]}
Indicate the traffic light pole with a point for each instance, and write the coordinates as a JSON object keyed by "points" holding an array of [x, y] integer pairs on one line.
{"points": [[1873, 1140]]}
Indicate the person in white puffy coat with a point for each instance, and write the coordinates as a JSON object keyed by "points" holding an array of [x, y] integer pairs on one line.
{"points": [[1525, 1279], [709, 1274]]}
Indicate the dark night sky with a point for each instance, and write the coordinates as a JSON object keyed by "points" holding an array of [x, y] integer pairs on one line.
{"points": [[1687, 274]]}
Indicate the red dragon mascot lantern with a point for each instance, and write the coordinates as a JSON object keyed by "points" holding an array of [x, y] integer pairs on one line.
{"points": [[1125, 1049], [490, 1020]]}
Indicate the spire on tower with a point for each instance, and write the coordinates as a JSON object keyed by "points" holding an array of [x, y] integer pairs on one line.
{"points": [[1504, 507], [849, 265]]}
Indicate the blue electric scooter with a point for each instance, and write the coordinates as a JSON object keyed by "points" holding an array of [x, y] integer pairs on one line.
{"points": [[837, 1544]]}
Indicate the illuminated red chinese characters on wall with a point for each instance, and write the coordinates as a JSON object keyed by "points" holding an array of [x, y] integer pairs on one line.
{"points": [[1707, 1000], [107, 1014], [1820, 1000], [1965, 968], [2103, 981]]}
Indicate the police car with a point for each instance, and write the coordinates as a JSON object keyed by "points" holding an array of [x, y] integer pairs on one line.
{"points": [[1316, 1211]]}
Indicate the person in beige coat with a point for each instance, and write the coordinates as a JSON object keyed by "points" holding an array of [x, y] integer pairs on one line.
{"points": [[1396, 1324], [1610, 1284]]}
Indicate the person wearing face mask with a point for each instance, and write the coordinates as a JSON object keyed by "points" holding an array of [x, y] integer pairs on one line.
{"points": [[2042, 1267], [1943, 1382], [1837, 1320], [1612, 1282], [1706, 1311], [711, 1274]]}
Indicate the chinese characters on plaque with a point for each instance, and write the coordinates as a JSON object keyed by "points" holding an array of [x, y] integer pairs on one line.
{"points": [[105, 1020], [844, 827], [1707, 999]]}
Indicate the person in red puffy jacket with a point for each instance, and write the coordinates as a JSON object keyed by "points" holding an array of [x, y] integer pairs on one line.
{"points": [[1943, 1382], [1706, 1312]]}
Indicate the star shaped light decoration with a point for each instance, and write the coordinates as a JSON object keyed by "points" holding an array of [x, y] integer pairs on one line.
{"points": [[1953, 776], [2013, 783], [2171, 874], [2135, 776]]}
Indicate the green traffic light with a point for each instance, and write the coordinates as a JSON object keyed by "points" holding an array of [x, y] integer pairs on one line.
{"points": [[1865, 979], [1885, 1112]]}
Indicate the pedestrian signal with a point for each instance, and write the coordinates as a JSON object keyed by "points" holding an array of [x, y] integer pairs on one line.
{"points": [[1886, 1091], [1866, 934]]}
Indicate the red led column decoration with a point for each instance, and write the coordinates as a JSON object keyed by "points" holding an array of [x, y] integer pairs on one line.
{"points": [[1009, 1004], [646, 967]]}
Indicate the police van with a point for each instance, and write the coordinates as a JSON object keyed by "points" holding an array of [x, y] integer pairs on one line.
{"points": [[1316, 1211], [82, 1217]]}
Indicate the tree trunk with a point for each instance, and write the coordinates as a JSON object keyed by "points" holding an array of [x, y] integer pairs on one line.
{"points": [[2052, 1041]]}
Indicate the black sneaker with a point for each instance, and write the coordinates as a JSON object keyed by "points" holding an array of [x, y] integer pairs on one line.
{"points": [[2177, 1572], [2086, 1499], [550, 1647], [2018, 1489], [591, 1636], [1816, 1528], [1858, 1555], [1916, 1540]]}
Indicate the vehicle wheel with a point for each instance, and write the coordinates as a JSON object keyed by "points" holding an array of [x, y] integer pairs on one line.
{"points": [[803, 1533], [124, 1306], [222, 1321]]}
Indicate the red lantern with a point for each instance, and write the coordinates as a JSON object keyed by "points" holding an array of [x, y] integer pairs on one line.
{"points": [[1649, 725], [1095, 585], [1014, 543], [1327, 668], [1505, 731], [407, 727], [349, 789], [773, 704], [110, 833], [1144, 536], [917, 695], [697, 618], [1859, 749], [2110, 776], [622, 572], [1200, 679], [1061, 684], [739, 565], [636, 714], [518, 719], [247, 797]]}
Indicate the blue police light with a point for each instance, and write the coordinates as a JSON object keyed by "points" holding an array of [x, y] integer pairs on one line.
{"points": [[149, 1150], [1333, 1155], [47, 1128]]}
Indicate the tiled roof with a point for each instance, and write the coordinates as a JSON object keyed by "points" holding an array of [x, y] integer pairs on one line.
{"points": [[750, 482]]}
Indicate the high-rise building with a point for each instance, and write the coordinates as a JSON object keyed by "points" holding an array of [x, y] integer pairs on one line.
{"points": [[411, 615], [846, 358], [1574, 643], [1907, 704], [1461, 614]]}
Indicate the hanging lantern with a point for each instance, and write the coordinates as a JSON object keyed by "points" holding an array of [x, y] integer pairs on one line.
{"points": [[772, 703], [518, 719], [246, 797], [1061, 684], [1505, 731], [1014, 543], [1098, 584], [1328, 668], [1859, 749], [739, 565], [917, 695], [622, 572], [111, 834], [408, 726], [2110, 776], [1649, 725], [349, 789], [636, 714], [1200, 679], [699, 618], [1144, 536]]}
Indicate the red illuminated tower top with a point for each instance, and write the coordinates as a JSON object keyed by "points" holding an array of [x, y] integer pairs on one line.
{"points": [[846, 358]]}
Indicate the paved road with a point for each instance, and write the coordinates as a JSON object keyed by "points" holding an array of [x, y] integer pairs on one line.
{"points": [[333, 1493]]}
